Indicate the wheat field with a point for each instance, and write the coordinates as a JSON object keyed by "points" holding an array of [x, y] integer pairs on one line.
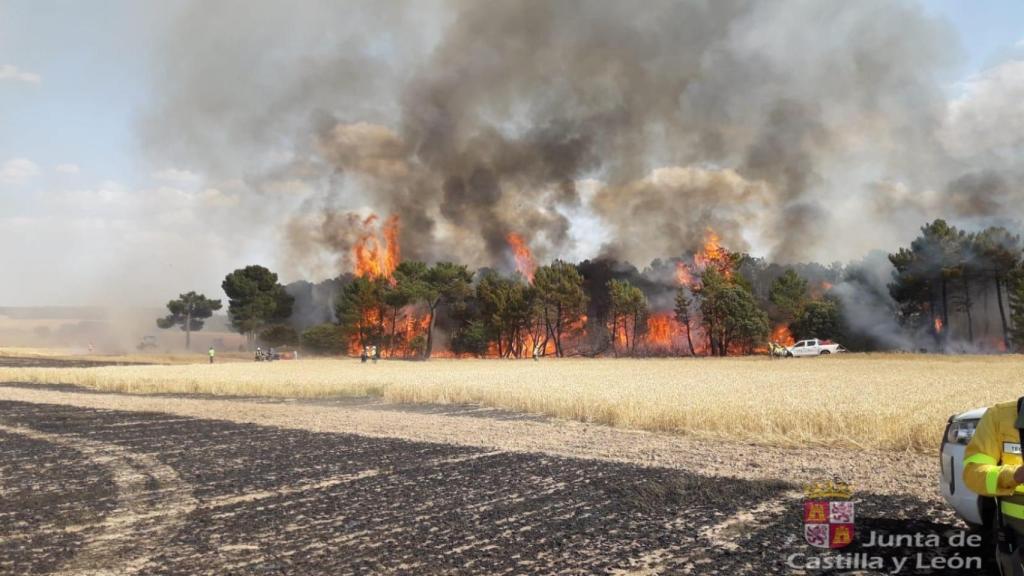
{"points": [[891, 402]]}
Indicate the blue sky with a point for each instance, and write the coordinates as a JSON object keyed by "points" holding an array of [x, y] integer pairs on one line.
{"points": [[75, 77], [988, 29]]}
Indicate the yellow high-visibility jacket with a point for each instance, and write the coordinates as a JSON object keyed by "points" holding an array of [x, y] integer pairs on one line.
{"points": [[994, 454]]}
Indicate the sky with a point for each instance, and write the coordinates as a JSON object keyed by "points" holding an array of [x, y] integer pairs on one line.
{"points": [[84, 200]]}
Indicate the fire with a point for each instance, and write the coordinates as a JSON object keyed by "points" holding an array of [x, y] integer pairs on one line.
{"points": [[525, 263], [683, 275], [820, 289], [782, 335], [713, 254], [661, 329], [376, 252], [938, 325]]}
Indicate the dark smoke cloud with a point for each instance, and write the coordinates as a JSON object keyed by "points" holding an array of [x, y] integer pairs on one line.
{"points": [[471, 120]]}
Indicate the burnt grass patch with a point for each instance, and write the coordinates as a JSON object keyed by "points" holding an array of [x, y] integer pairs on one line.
{"points": [[45, 489], [283, 501]]}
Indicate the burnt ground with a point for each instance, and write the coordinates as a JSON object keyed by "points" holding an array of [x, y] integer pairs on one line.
{"points": [[83, 489]]}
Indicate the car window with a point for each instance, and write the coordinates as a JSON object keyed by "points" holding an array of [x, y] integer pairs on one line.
{"points": [[799, 345]]}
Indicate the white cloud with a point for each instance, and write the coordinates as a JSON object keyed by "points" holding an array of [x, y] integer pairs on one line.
{"points": [[67, 168], [176, 176], [10, 72], [17, 170]]}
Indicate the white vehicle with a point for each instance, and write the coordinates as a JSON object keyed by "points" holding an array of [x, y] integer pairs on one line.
{"points": [[814, 347], [974, 509]]}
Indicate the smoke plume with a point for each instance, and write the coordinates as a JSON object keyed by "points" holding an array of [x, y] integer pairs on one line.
{"points": [[798, 130]]}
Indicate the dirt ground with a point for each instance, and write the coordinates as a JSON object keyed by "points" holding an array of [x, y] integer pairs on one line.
{"points": [[105, 483]]}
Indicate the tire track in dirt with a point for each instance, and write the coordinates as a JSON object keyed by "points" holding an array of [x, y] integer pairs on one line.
{"points": [[152, 505], [288, 500]]}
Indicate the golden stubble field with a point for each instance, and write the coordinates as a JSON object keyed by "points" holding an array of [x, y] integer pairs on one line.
{"points": [[883, 401]]}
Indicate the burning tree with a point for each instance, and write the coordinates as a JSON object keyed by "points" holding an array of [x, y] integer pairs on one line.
{"points": [[684, 313], [946, 269], [509, 311], [433, 286], [729, 313], [360, 311], [563, 301], [628, 312]]}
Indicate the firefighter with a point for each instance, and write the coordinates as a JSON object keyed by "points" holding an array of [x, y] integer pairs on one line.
{"points": [[993, 467], [211, 353]]}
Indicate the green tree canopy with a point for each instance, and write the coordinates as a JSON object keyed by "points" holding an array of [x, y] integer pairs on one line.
{"points": [[189, 311], [560, 290], [921, 281], [730, 314], [789, 295], [819, 319], [441, 283], [360, 310], [255, 299], [324, 339], [628, 311], [279, 335], [507, 310]]}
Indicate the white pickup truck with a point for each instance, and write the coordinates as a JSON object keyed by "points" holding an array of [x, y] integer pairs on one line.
{"points": [[813, 347]]}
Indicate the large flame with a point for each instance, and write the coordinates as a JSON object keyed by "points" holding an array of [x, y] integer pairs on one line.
{"points": [[782, 335], [525, 263], [376, 252], [683, 275], [661, 329], [712, 254]]}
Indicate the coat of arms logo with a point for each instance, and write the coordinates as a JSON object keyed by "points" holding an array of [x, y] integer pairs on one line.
{"points": [[828, 514]]}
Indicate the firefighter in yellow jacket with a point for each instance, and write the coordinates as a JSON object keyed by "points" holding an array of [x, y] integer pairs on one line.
{"points": [[993, 467]]}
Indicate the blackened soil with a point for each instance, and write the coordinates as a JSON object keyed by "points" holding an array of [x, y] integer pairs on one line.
{"points": [[274, 501], [44, 491]]}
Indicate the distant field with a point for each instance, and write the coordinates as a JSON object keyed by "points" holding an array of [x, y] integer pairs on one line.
{"points": [[895, 402], [199, 355]]}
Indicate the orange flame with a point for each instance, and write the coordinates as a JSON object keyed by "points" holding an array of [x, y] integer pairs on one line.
{"points": [[938, 325], [376, 252], [661, 328], [822, 288], [713, 254], [782, 335], [683, 275], [525, 263]]}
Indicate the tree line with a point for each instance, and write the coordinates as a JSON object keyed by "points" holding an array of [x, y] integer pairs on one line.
{"points": [[946, 271], [945, 278], [490, 314]]}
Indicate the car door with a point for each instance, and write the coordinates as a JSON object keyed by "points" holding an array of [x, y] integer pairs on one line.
{"points": [[799, 348]]}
